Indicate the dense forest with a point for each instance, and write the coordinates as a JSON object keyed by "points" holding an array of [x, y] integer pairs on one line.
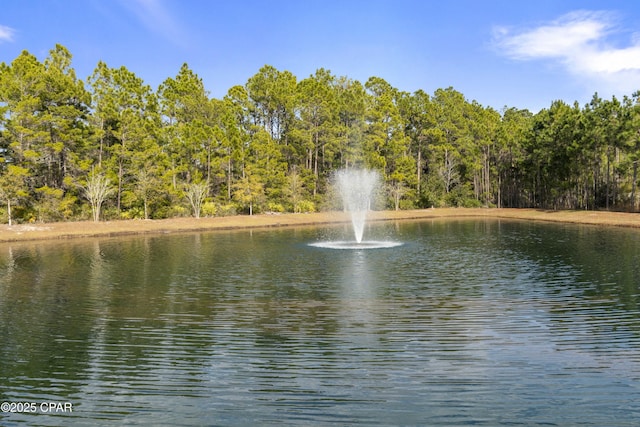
{"points": [[113, 147]]}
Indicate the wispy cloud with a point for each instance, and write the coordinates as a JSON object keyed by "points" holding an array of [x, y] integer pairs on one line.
{"points": [[155, 16], [582, 42], [6, 33]]}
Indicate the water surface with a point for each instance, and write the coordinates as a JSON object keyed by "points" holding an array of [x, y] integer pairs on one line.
{"points": [[468, 322]]}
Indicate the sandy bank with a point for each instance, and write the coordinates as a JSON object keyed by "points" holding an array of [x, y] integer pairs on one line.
{"points": [[65, 230]]}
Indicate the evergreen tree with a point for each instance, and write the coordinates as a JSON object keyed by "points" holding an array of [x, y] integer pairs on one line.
{"points": [[128, 143], [272, 144]]}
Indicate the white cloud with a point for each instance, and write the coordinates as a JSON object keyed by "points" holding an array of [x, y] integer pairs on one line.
{"points": [[581, 42], [155, 17], [6, 34]]}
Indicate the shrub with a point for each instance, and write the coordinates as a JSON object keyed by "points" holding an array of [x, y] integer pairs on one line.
{"points": [[171, 211], [275, 207], [306, 206], [227, 210], [133, 213], [407, 204], [462, 196], [209, 209]]}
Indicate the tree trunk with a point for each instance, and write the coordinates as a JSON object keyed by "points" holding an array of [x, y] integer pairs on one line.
{"points": [[634, 186], [229, 177], [499, 191], [419, 169], [315, 163], [209, 162], [101, 143], [608, 183], [488, 176], [120, 177]]}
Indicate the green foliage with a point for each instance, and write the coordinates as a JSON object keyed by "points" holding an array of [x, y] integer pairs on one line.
{"points": [[209, 209], [227, 210], [135, 212], [275, 207], [248, 192], [462, 197], [306, 206], [14, 189], [273, 143], [173, 210], [49, 204]]}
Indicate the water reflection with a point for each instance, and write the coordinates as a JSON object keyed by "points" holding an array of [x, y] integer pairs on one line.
{"points": [[469, 322]]}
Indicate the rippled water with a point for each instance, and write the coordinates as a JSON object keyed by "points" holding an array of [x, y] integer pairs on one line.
{"points": [[466, 323]]}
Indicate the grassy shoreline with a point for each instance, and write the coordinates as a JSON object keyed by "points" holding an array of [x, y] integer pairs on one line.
{"points": [[68, 230]]}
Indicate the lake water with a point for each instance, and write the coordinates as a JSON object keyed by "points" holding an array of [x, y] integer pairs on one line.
{"points": [[468, 322]]}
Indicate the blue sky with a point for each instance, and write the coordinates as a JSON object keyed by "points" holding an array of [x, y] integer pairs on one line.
{"points": [[520, 54]]}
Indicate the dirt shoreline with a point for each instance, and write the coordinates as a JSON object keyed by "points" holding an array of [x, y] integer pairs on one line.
{"points": [[68, 230]]}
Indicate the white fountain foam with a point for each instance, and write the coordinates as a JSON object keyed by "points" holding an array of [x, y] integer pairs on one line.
{"points": [[357, 186], [369, 244]]}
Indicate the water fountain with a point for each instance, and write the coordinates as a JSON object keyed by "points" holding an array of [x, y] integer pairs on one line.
{"points": [[357, 189]]}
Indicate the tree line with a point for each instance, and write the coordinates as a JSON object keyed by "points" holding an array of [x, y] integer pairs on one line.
{"points": [[113, 147]]}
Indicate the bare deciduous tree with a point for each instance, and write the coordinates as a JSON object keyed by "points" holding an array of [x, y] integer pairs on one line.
{"points": [[96, 190], [196, 192], [447, 171], [12, 187], [146, 185], [397, 190]]}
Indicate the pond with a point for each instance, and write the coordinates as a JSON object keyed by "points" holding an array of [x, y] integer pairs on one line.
{"points": [[467, 322]]}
